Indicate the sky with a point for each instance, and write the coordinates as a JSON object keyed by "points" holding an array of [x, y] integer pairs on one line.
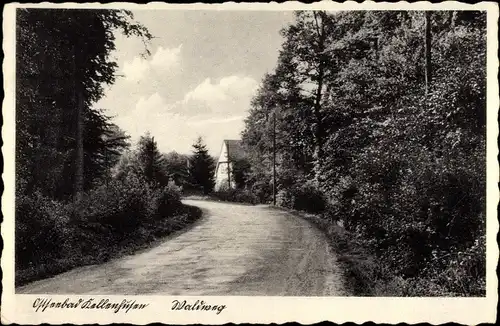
{"points": [[204, 68]]}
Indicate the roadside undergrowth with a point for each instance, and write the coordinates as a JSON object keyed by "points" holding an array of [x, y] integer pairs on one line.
{"points": [[108, 224], [361, 273]]}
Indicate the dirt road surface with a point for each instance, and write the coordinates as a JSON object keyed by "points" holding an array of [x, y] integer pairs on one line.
{"points": [[233, 250]]}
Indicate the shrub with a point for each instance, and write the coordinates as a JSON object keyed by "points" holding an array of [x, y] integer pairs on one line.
{"points": [[262, 190], [168, 201], [420, 212], [39, 230], [121, 205], [236, 195], [119, 217], [303, 197], [465, 270], [241, 171]]}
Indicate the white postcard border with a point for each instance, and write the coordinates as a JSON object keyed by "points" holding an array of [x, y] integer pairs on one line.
{"points": [[19, 308]]}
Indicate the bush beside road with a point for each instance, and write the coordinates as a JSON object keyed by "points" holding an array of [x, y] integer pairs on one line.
{"points": [[110, 221]]}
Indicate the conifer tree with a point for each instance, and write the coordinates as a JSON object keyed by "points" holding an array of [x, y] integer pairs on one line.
{"points": [[201, 168], [151, 160]]}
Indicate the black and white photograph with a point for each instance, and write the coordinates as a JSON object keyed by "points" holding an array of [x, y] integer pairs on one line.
{"points": [[198, 153]]}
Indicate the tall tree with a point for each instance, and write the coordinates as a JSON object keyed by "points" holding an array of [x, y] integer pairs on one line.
{"points": [[151, 161], [63, 61], [298, 93], [114, 142], [397, 165], [306, 61], [278, 96], [105, 142], [201, 168]]}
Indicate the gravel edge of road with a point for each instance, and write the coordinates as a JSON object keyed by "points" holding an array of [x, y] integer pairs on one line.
{"points": [[356, 262]]}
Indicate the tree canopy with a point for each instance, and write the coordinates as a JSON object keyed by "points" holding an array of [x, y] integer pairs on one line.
{"points": [[386, 118], [63, 62]]}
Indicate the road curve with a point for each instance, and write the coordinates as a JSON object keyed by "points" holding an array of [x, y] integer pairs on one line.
{"points": [[234, 250]]}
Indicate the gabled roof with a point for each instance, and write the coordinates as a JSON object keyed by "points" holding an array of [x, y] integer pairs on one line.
{"points": [[235, 149]]}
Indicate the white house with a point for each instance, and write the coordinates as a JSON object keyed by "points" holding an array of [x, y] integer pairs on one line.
{"points": [[231, 151]]}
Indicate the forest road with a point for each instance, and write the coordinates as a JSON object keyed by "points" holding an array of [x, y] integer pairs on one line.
{"points": [[233, 250]]}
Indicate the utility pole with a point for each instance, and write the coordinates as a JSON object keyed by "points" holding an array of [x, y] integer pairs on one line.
{"points": [[228, 168], [428, 40], [274, 157]]}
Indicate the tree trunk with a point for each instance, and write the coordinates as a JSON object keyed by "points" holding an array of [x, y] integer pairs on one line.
{"points": [[79, 157], [318, 133], [274, 157], [228, 168], [319, 129]]}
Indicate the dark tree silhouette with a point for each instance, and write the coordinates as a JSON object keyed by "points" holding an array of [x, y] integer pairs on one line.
{"points": [[63, 62], [201, 168], [151, 161]]}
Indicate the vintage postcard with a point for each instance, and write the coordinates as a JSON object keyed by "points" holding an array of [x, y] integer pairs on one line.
{"points": [[250, 163]]}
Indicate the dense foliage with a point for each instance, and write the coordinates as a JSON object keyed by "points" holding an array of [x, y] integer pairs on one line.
{"points": [[120, 217], [79, 198], [129, 211], [364, 138], [62, 63], [241, 172], [176, 166]]}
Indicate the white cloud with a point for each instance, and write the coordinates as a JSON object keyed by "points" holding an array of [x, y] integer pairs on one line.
{"points": [[230, 95], [207, 92], [227, 88], [211, 121], [164, 58], [149, 105], [213, 110], [136, 69]]}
